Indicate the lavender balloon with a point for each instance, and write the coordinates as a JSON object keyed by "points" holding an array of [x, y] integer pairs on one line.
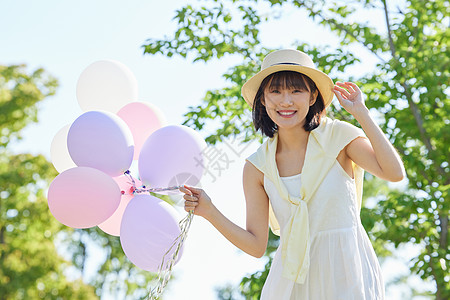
{"points": [[172, 155], [148, 230], [101, 140]]}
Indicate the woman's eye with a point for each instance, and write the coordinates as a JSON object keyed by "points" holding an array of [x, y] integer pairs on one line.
{"points": [[297, 91], [275, 91]]}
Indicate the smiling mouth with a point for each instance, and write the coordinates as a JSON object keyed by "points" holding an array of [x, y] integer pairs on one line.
{"points": [[287, 114]]}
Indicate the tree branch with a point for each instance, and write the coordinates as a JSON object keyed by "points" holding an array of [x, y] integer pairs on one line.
{"points": [[388, 25], [423, 134], [413, 107], [443, 241], [2, 235], [2, 229], [439, 294]]}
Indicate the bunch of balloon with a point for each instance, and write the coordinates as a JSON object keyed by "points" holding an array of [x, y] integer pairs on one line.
{"points": [[93, 156]]}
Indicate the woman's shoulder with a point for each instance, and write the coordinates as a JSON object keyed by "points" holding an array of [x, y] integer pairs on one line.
{"points": [[251, 169], [333, 135], [335, 124], [336, 129], [252, 174]]}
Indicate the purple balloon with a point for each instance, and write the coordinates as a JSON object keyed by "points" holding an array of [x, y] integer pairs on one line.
{"points": [[101, 140], [148, 230], [172, 155], [83, 197]]}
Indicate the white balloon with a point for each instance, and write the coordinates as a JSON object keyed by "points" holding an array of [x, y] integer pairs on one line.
{"points": [[59, 153], [106, 85]]}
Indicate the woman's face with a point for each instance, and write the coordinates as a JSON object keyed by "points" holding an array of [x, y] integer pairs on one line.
{"points": [[287, 107]]}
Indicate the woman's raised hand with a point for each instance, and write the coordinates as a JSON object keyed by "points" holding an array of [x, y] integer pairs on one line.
{"points": [[350, 97], [197, 200]]}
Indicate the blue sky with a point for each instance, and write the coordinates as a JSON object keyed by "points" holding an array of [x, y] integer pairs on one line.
{"points": [[64, 37]]}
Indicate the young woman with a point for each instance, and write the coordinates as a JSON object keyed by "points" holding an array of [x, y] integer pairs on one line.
{"points": [[306, 182]]}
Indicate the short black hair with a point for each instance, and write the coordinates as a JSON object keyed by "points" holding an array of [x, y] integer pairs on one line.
{"points": [[290, 80]]}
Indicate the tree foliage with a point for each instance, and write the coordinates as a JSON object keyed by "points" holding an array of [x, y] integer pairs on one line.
{"points": [[408, 90], [30, 267]]}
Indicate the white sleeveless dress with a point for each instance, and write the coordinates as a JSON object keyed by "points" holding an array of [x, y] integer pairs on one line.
{"points": [[343, 262]]}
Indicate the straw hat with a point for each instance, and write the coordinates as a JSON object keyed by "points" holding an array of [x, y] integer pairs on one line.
{"points": [[289, 60]]}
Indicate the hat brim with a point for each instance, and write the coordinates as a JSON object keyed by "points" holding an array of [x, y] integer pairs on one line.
{"points": [[322, 81]]}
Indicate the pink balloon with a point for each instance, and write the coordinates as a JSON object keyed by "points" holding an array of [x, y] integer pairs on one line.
{"points": [[142, 119], [172, 155], [112, 224], [149, 228], [101, 140], [83, 197]]}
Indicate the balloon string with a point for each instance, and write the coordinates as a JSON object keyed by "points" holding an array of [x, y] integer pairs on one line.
{"points": [[165, 268], [144, 189]]}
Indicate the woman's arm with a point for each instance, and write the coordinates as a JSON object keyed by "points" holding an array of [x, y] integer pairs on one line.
{"points": [[376, 155], [253, 239]]}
